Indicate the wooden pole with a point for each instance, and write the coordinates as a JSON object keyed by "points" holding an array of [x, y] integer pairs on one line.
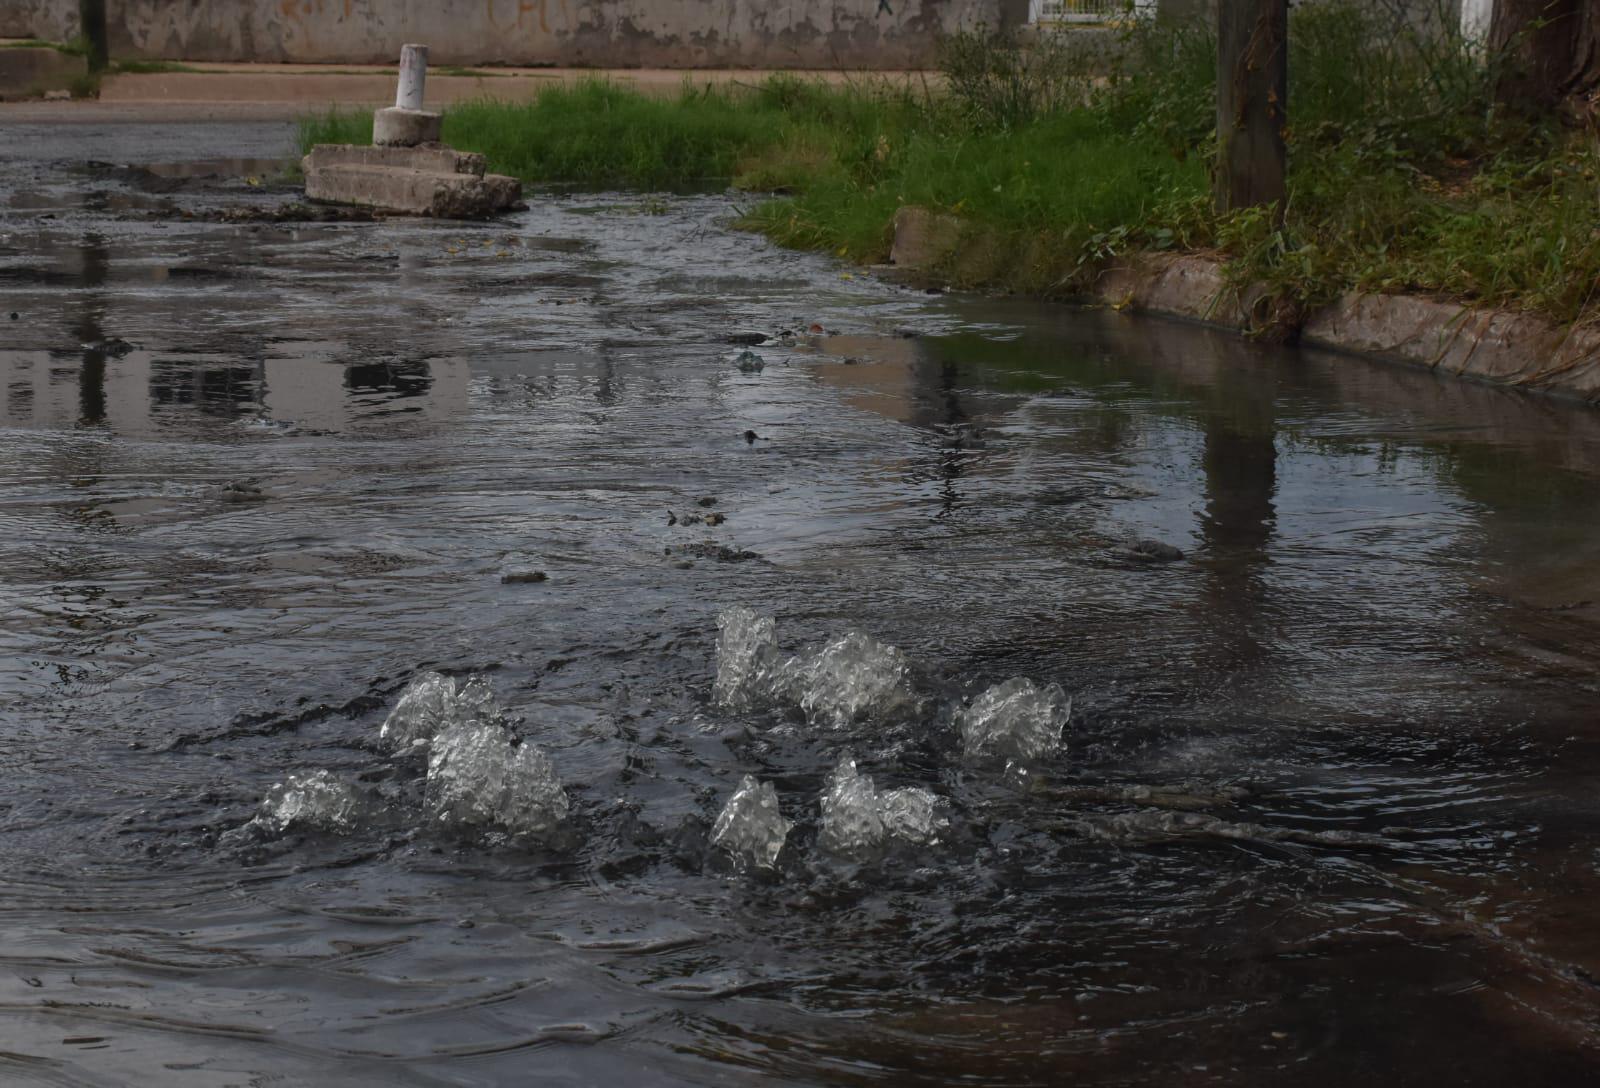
{"points": [[92, 20], [1252, 96]]}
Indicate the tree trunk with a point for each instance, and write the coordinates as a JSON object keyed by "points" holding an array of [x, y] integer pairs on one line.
{"points": [[92, 16], [1252, 92], [1551, 52]]}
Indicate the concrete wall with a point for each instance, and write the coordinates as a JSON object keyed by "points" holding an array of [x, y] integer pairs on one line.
{"points": [[617, 33]]}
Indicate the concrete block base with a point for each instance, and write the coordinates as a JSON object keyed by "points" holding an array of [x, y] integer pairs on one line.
{"points": [[923, 238], [432, 181], [396, 127], [25, 73]]}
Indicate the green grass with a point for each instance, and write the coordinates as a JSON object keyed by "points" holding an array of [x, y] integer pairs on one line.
{"points": [[150, 67], [595, 133], [75, 48], [1404, 176]]}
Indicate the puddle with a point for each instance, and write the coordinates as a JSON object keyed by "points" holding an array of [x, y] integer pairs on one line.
{"points": [[1107, 700]]}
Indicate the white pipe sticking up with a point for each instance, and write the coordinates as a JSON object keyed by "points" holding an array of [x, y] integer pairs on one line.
{"points": [[413, 74], [1476, 17]]}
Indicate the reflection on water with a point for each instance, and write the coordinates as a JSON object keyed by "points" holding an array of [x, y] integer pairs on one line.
{"points": [[142, 392], [1324, 809]]}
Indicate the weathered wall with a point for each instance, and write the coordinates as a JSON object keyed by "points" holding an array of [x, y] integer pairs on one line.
{"points": [[619, 33], [49, 20]]}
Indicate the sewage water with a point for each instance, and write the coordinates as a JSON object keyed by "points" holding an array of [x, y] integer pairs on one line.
{"points": [[1326, 808]]}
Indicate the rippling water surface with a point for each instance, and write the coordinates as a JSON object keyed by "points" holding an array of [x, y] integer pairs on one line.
{"points": [[1326, 808]]}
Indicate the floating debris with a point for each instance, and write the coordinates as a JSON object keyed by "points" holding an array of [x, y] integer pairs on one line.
{"points": [[1154, 551], [432, 703], [479, 777], [243, 491], [857, 820], [712, 519], [1183, 798], [705, 549], [523, 577], [1015, 721], [113, 346], [750, 827], [318, 801], [749, 362], [1147, 827]]}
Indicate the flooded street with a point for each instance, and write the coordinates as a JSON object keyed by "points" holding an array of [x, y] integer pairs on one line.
{"points": [[1325, 809]]}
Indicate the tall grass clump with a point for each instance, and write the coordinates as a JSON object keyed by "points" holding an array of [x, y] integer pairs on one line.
{"points": [[1056, 157]]}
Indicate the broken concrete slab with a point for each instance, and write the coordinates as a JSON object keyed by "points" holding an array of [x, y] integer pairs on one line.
{"points": [[437, 159], [923, 238], [407, 170], [408, 190], [400, 127]]}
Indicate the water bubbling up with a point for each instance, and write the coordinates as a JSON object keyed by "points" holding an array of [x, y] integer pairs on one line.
{"points": [[849, 679], [746, 652], [750, 827], [479, 778], [1016, 721], [858, 820], [432, 703], [317, 801]]}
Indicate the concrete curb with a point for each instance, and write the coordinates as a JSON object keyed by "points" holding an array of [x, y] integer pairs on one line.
{"points": [[1502, 347], [26, 73]]}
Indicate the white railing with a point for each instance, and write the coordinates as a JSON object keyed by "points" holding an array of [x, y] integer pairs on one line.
{"points": [[1086, 11]]}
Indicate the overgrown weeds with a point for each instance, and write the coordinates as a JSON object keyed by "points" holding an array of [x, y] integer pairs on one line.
{"points": [[1403, 174]]}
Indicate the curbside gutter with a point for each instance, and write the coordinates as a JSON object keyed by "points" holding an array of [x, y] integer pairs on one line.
{"points": [[1502, 347], [1505, 347]]}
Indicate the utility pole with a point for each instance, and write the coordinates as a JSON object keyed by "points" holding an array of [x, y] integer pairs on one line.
{"points": [[92, 17], [1252, 97]]}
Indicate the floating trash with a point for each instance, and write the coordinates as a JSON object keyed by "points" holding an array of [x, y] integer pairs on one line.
{"points": [[1015, 721], [750, 827], [318, 801], [432, 703], [478, 777], [858, 820], [749, 362]]}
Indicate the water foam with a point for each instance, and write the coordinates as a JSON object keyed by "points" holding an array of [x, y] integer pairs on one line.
{"points": [[431, 703], [858, 820], [750, 827], [1016, 721], [478, 778], [318, 801]]}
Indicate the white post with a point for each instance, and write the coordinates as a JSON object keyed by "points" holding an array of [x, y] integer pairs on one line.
{"points": [[413, 74], [1476, 17]]}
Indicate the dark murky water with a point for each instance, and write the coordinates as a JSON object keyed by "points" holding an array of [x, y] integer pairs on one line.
{"points": [[253, 478]]}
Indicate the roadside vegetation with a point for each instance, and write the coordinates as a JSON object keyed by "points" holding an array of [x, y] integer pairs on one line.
{"points": [[1404, 173]]}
